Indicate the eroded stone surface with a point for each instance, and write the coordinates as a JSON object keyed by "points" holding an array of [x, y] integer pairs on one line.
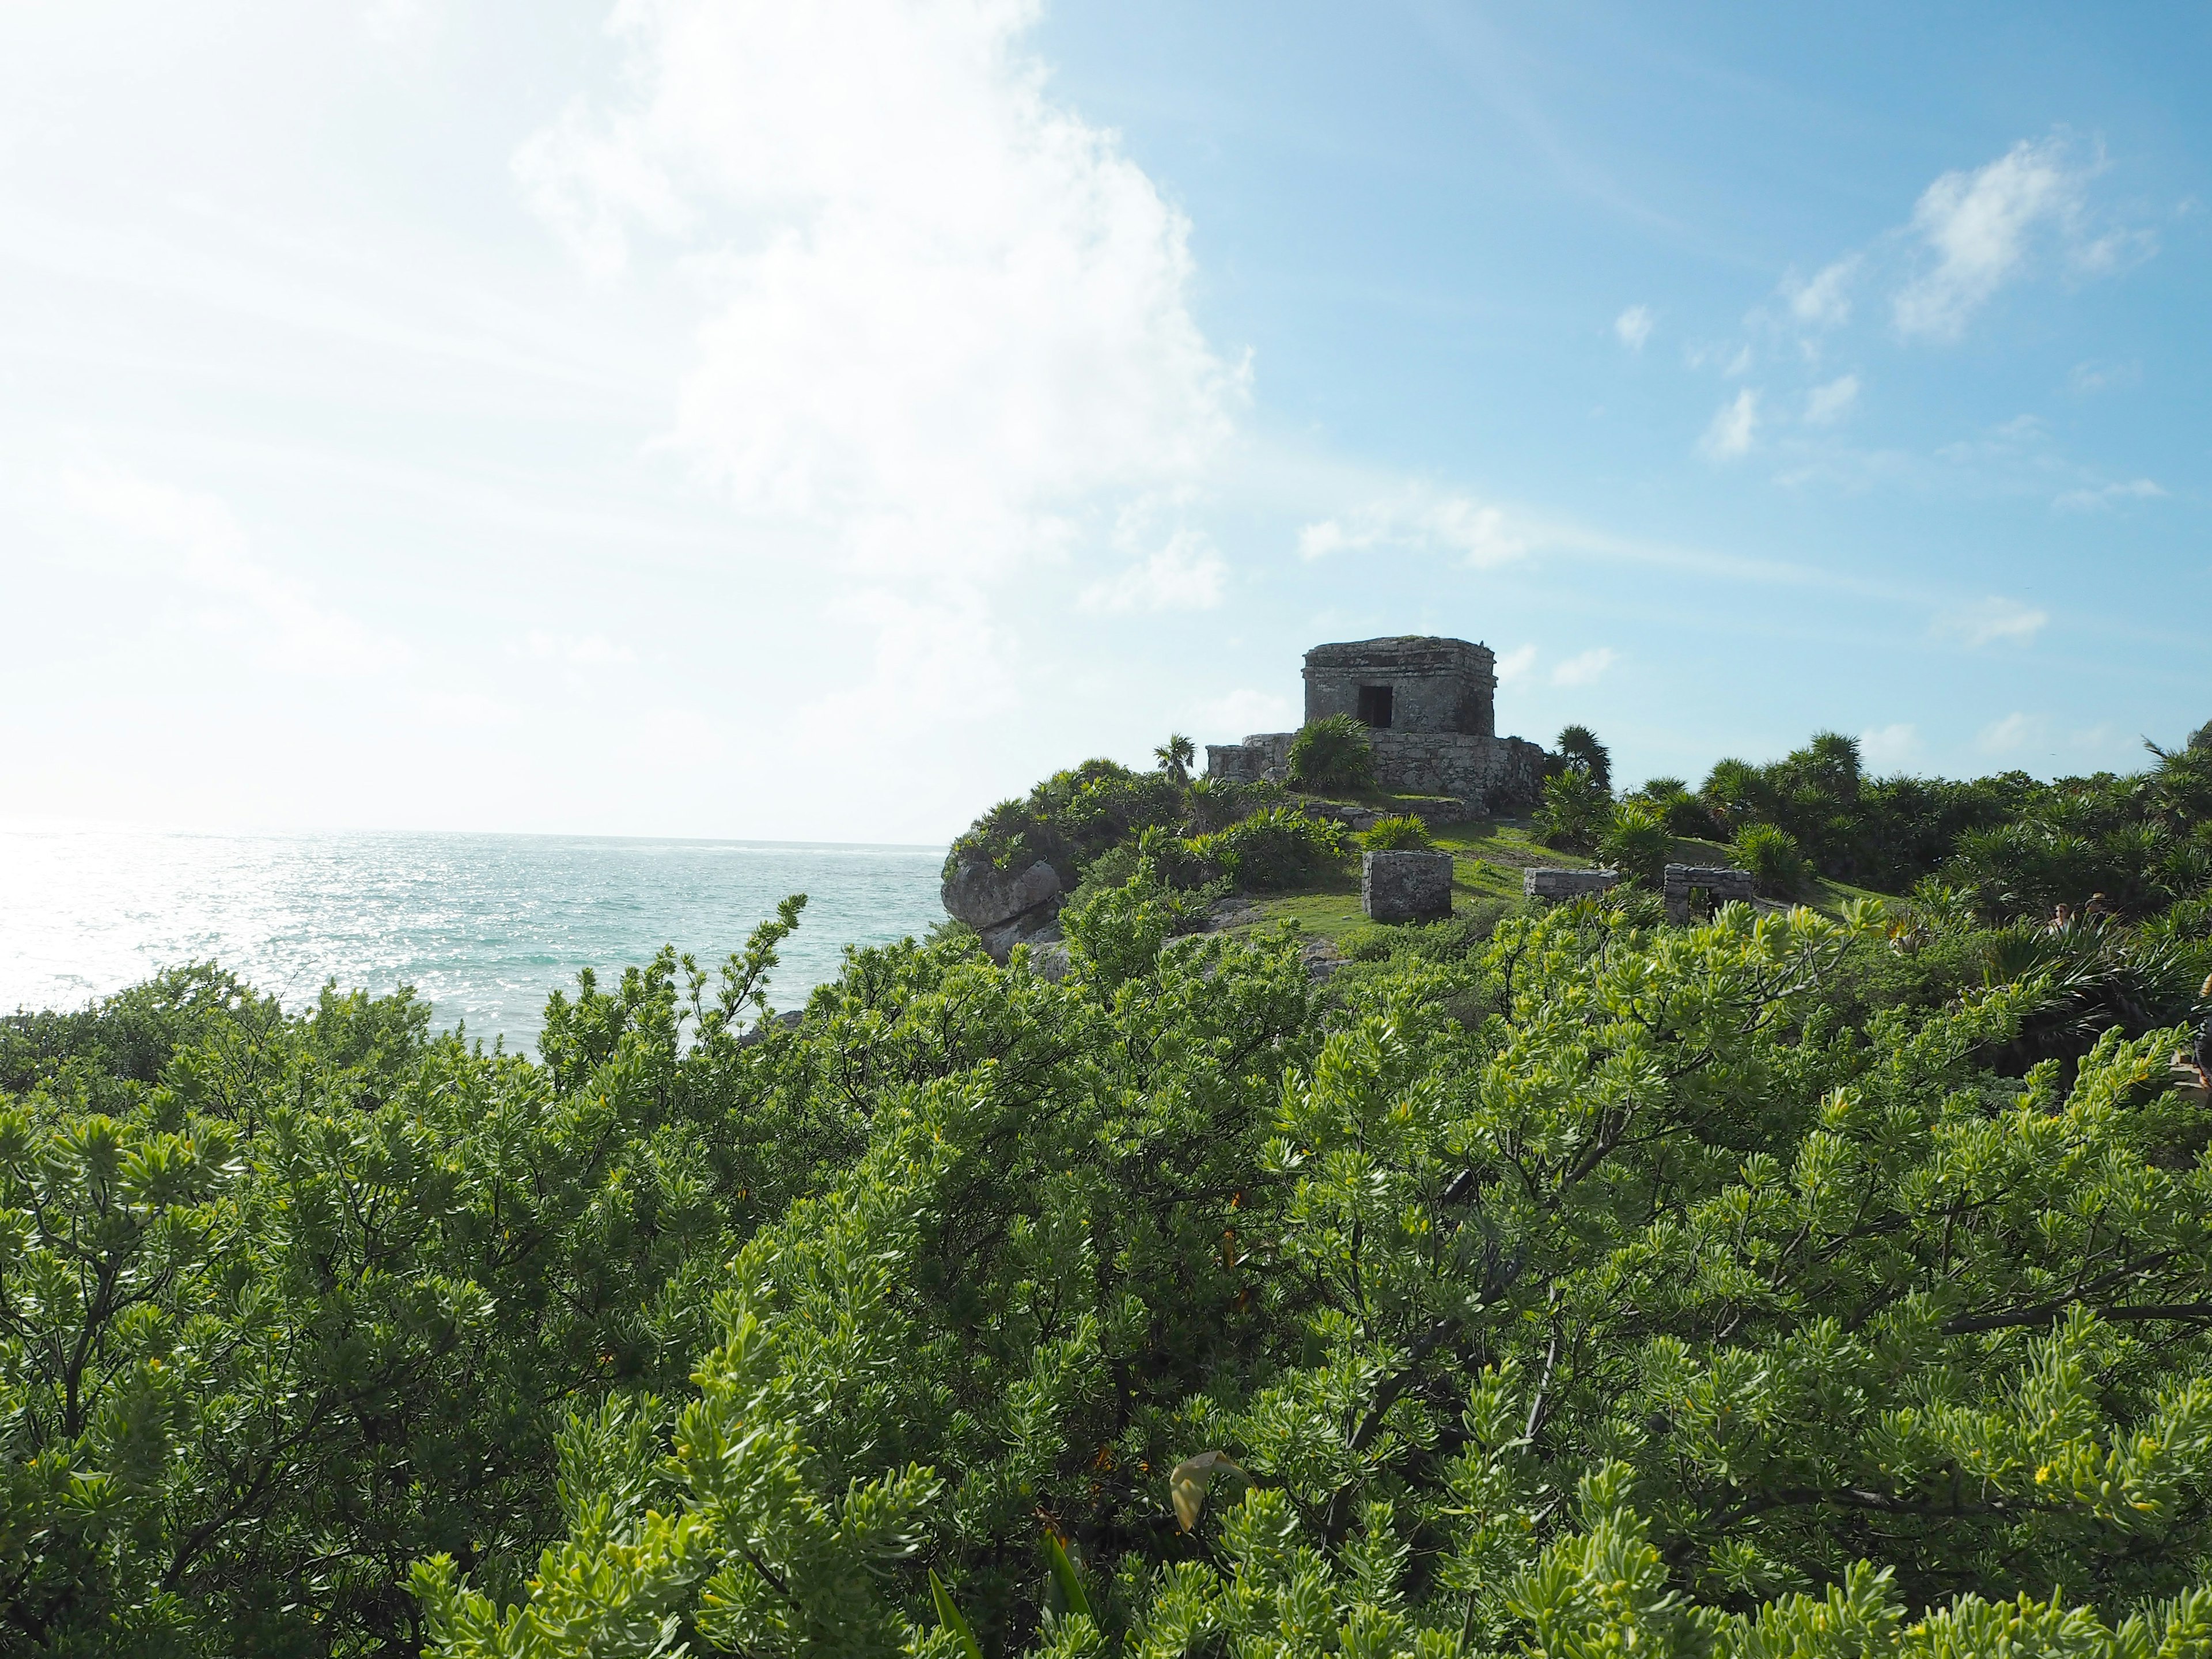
{"points": [[1558, 884], [983, 896], [1406, 887], [1722, 884]]}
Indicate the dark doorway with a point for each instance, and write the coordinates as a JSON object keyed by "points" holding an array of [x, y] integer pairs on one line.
{"points": [[1374, 706]]}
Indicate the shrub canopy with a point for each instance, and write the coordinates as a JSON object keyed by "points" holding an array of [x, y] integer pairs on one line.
{"points": [[1333, 754]]}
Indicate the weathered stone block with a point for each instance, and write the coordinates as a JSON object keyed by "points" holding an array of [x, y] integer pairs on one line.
{"points": [[1723, 885], [1406, 887], [1558, 884]]}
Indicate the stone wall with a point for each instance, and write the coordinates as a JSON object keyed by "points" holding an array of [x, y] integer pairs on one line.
{"points": [[1406, 887], [1722, 886], [1490, 775], [1262, 757], [1559, 884], [1437, 686]]}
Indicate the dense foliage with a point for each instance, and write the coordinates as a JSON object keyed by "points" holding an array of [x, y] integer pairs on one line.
{"points": [[1333, 754], [1546, 1283]]}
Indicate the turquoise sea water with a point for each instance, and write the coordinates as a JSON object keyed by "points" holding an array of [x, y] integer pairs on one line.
{"points": [[483, 927]]}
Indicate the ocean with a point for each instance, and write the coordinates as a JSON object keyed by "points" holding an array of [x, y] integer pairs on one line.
{"points": [[482, 925]]}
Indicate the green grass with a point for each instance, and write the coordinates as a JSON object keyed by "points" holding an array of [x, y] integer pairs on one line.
{"points": [[1488, 856]]}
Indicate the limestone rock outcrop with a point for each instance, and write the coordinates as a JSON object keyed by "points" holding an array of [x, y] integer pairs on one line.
{"points": [[1004, 907]]}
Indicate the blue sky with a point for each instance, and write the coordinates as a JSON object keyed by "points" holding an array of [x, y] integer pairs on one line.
{"points": [[738, 419]]}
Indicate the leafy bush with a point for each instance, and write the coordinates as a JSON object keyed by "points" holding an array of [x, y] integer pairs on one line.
{"points": [[1069, 819], [1684, 814], [1115, 932], [1402, 832], [1771, 855], [1278, 846], [1211, 803], [1427, 1327], [1333, 754], [1636, 842], [1574, 812]]}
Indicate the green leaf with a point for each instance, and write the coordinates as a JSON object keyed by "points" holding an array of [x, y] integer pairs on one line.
{"points": [[1064, 1575], [949, 1617]]}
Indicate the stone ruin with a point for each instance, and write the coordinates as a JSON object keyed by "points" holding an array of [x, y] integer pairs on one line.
{"points": [[1406, 887], [1558, 885], [1428, 707], [1720, 885]]}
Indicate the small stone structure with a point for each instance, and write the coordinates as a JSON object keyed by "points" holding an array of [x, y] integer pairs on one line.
{"points": [[1406, 887], [1428, 705], [1408, 683], [1558, 885], [1682, 879]]}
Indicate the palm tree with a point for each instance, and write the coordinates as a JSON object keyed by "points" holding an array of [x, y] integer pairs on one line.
{"points": [[1175, 757], [1582, 752]]}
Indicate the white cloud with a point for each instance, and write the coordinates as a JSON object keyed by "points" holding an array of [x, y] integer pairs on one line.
{"points": [[588, 651], [944, 311], [2088, 500], [1733, 428], [1993, 619], [279, 616], [1482, 535], [2091, 376], [1977, 225], [1825, 301], [1633, 325], [1832, 401], [390, 21], [1186, 574], [1243, 711], [1890, 748], [2014, 732], [1516, 663], [1582, 669]]}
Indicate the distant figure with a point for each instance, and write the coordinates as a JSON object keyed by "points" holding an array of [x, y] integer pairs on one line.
{"points": [[2062, 918]]}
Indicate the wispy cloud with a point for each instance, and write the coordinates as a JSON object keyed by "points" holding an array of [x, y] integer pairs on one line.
{"points": [[1733, 428], [1585, 667], [2094, 377], [1633, 325], [1187, 574], [1243, 711], [1825, 301], [1482, 535], [2089, 500], [1978, 226], [1825, 405], [2014, 732], [281, 618], [584, 650], [1516, 663], [1992, 620], [1890, 748]]}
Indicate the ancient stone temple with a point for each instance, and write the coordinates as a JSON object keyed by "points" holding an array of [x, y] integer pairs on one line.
{"points": [[1428, 705]]}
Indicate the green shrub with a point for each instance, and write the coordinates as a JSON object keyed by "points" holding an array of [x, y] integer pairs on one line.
{"points": [[1682, 812], [1574, 812], [1772, 856], [1279, 846], [1069, 819], [1636, 842], [1333, 754], [1403, 832]]}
